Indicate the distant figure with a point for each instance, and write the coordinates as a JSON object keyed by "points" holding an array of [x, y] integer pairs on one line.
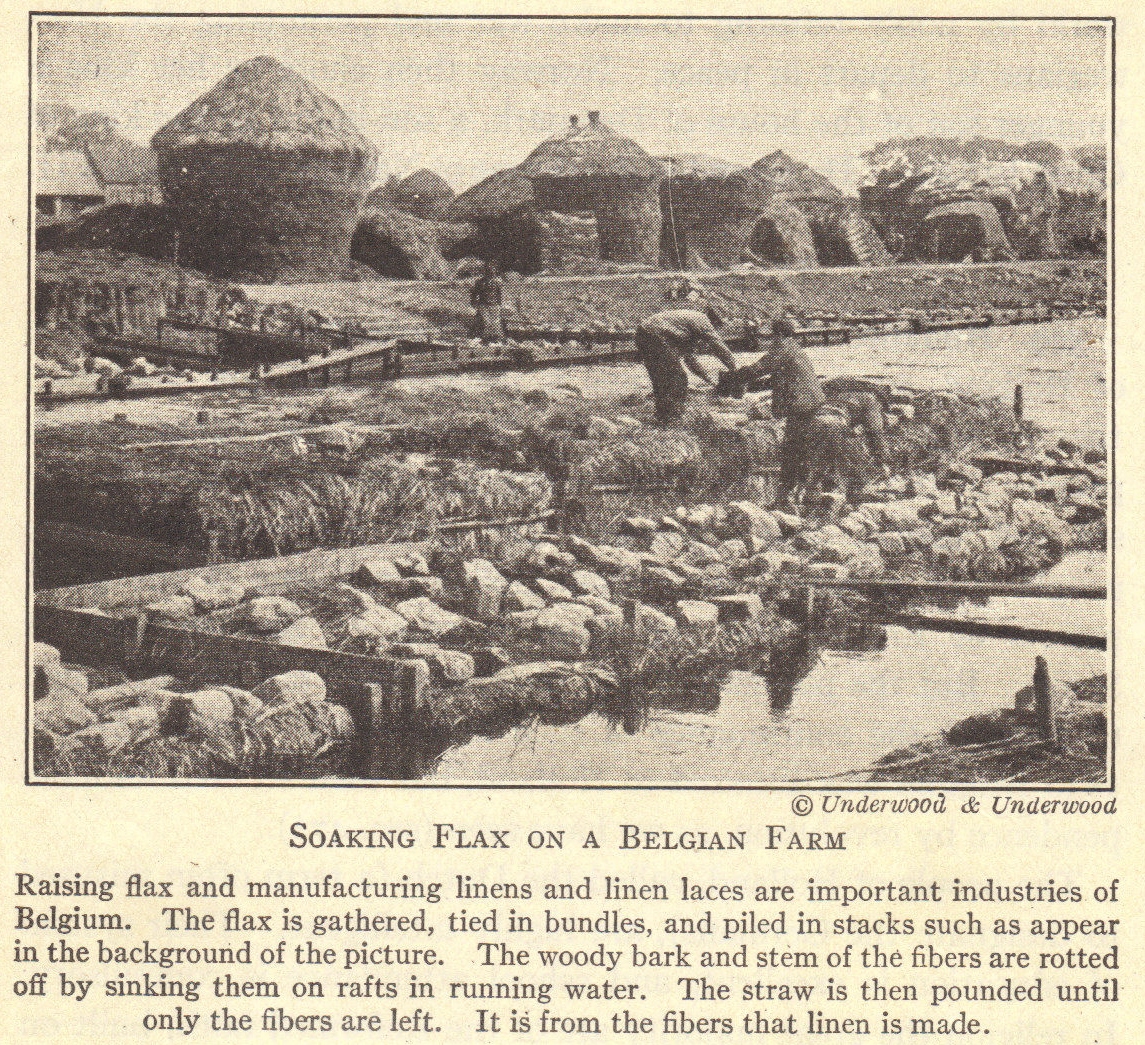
{"points": [[671, 340], [487, 297]]}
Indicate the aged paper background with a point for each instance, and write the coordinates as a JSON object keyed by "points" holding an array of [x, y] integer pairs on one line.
{"points": [[176, 832]]}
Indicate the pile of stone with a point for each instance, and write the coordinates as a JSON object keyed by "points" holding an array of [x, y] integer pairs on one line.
{"points": [[84, 728], [961, 523], [699, 566], [475, 617]]}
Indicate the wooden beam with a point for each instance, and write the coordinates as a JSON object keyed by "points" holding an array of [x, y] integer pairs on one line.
{"points": [[268, 575], [969, 588], [257, 437], [988, 629]]}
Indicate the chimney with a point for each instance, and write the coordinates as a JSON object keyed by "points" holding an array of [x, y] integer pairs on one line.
{"points": [[573, 121], [594, 118]]}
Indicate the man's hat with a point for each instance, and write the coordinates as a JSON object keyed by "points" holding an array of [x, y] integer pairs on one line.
{"points": [[783, 328]]}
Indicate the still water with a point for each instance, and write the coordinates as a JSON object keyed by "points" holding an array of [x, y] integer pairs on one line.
{"points": [[852, 708], [848, 710]]}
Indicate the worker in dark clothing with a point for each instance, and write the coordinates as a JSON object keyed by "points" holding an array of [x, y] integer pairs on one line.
{"points": [[671, 340], [863, 404], [487, 297], [796, 398], [866, 404]]}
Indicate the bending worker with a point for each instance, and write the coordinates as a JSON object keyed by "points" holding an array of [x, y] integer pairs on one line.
{"points": [[865, 403], [671, 340]]}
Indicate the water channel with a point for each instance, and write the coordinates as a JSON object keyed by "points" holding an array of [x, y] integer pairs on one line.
{"points": [[841, 710]]}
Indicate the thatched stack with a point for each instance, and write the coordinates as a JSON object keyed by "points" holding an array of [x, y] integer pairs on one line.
{"points": [[794, 180], [961, 229], [266, 175], [567, 243], [1020, 192], [499, 195], [903, 190], [842, 235], [1080, 223], [502, 209], [401, 246], [711, 209], [590, 169], [424, 194]]}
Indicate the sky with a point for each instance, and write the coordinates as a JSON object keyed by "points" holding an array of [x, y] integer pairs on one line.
{"points": [[469, 97]]}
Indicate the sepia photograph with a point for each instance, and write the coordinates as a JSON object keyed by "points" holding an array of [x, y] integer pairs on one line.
{"points": [[524, 401]]}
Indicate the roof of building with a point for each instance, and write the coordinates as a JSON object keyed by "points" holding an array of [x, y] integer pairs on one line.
{"points": [[263, 104], [494, 197], [696, 165], [118, 162], [426, 184], [590, 150], [795, 180], [998, 180], [65, 174]]}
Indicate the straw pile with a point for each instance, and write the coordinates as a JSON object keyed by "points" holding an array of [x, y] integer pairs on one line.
{"points": [[265, 174], [1004, 747], [592, 169], [398, 245], [146, 229], [501, 207], [424, 194], [711, 210]]}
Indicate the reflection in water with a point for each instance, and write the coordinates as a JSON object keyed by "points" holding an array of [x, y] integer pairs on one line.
{"points": [[416, 752], [848, 710], [791, 664], [830, 700]]}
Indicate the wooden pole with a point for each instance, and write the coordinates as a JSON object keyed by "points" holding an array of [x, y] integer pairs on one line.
{"points": [[974, 588], [392, 705], [990, 630], [411, 682], [135, 636], [1019, 409], [376, 735], [1045, 702]]}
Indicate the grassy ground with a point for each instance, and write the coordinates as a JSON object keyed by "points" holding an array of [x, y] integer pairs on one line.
{"points": [[1003, 747]]}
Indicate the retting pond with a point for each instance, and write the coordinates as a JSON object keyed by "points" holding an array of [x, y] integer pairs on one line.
{"points": [[1061, 366], [851, 708]]}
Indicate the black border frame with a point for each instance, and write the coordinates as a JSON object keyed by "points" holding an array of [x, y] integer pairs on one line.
{"points": [[29, 592]]}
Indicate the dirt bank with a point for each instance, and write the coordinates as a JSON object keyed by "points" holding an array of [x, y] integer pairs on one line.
{"points": [[622, 300], [1004, 747]]}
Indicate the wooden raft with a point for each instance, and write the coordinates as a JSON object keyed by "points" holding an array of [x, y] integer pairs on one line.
{"points": [[381, 693]]}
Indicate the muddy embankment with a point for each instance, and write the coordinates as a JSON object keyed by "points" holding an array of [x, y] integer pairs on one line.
{"points": [[622, 300]]}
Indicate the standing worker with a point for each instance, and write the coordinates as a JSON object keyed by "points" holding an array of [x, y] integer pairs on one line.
{"points": [[817, 448], [671, 340], [796, 397], [487, 297]]}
